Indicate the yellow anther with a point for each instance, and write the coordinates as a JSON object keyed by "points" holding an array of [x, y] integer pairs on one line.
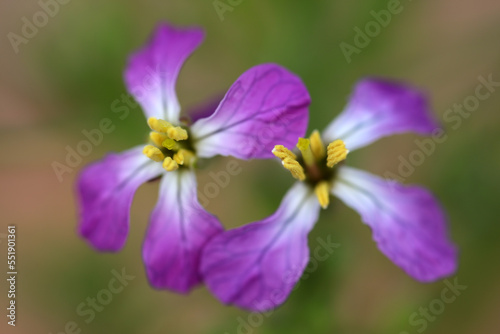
{"points": [[322, 193], [169, 164], [177, 133], [179, 158], [153, 153], [317, 146], [170, 144], [157, 138], [305, 148], [295, 168], [173, 132], [187, 155], [336, 153], [159, 125], [282, 152], [289, 161]]}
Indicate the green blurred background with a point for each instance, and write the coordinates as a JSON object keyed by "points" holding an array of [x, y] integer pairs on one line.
{"points": [[64, 79]]}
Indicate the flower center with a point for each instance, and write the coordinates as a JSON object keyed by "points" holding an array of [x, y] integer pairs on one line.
{"points": [[315, 165], [169, 144]]}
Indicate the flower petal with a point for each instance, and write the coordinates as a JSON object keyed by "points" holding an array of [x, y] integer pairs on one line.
{"points": [[179, 229], [380, 108], [408, 223], [152, 71], [266, 106], [256, 266], [105, 191]]}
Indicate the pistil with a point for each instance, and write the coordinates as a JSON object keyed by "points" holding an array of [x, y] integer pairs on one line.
{"points": [[305, 148]]}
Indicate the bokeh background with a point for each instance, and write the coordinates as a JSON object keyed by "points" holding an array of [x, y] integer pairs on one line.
{"points": [[66, 77]]}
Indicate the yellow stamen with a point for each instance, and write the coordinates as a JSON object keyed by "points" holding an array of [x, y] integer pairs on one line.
{"points": [[289, 161], [170, 144], [321, 191], [169, 164], [153, 153], [157, 138], [304, 145], [187, 156], [177, 133], [295, 168], [159, 125], [179, 158], [317, 146], [173, 132], [336, 153], [282, 152]]}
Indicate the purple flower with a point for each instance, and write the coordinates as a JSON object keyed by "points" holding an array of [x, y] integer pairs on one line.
{"points": [[266, 105], [256, 266]]}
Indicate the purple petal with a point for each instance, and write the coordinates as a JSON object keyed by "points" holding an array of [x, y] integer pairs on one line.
{"points": [[179, 229], [408, 223], [256, 266], [379, 108], [152, 71], [266, 106], [105, 192]]}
